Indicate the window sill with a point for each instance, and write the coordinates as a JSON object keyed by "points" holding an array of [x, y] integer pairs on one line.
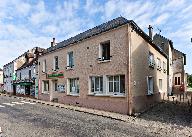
{"points": [[45, 93], [76, 95], [104, 61], [149, 94], [118, 96], [69, 68]]}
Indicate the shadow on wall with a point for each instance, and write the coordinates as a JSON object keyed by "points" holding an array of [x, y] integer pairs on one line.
{"points": [[141, 71]]}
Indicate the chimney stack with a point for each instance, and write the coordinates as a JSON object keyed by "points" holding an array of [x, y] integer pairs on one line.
{"points": [[53, 43], [150, 32]]}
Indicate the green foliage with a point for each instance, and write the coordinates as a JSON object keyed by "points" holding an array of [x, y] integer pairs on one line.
{"points": [[190, 80]]}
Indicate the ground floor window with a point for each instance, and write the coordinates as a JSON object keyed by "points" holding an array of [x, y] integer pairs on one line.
{"points": [[97, 84], [45, 86], [116, 84], [150, 85], [74, 85], [160, 84], [55, 85]]}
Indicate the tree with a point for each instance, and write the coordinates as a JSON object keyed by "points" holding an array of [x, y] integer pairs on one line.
{"points": [[189, 79]]}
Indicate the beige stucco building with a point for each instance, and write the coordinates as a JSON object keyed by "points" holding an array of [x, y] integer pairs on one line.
{"points": [[114, 67]]}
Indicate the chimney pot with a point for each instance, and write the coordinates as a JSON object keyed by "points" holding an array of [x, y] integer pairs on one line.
{"points": [[150, 31], [54, 42]]}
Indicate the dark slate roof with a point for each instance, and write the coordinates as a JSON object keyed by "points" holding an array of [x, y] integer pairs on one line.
{"points": [[170, 41], [91, 32], [1, 69], [103, 28]]}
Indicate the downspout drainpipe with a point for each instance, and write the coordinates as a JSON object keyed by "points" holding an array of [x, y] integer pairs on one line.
{"points": [[129, 72]]}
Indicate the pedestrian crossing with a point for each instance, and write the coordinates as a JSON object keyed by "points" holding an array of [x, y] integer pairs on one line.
{"points": [[3, 105]]}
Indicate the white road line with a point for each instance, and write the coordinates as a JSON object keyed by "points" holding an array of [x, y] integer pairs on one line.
{"points": [[28, 102], [2, 106], [17, 103], [9, 104]]}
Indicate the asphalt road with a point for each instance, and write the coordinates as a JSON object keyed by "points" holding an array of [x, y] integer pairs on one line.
{"points": [[25, 119]]}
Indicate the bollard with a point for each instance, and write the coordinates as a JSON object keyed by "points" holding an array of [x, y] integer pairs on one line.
{"points": [[173, 98]]}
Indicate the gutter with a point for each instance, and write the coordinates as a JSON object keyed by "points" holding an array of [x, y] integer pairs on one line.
{"points": [[129, 97]]}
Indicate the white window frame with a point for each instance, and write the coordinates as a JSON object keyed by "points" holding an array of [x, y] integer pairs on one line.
{"points": [[113, 81], [160, 85], [43, 85], [158, 63], [68, 60], [101, 58], [99, 91], [76, 82], [44, 66], [150, 92], [164, 66], [151, 59], [54, 63]]}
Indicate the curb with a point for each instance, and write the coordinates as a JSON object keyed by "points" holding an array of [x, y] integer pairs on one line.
{"points": [[111, 115]]}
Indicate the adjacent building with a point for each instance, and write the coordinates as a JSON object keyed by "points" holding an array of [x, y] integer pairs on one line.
{"points": [[9, 71], [167, 46], [1, 79], [176, 61], [26, 82], [114, 67], [179, 75]]}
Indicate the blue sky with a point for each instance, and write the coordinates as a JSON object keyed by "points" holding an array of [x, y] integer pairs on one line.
{"points": [[28, 23]]}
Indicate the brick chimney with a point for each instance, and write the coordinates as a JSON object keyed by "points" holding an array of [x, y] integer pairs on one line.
{"points": [[53, 43], [150, 31]]}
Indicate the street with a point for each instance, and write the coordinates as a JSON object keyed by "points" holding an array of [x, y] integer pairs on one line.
{"points": [[20, 118]]}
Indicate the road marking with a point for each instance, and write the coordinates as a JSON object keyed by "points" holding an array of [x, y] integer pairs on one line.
{"points": [[17, 103], [28, 102], [2, 106], [9, 104]]}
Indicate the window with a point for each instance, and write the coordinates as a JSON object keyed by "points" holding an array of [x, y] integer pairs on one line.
{"points": [[149, 85], [116, 84], [175, 80], [46, 86], [151, 60], [96, 84], [104, 51], [70, 60], [29, 74], [158, 64], [164, 67], [74, 86], [160, 84], [20, 75], [56, 64], [179, 82], [55, 86], [44, 66]]}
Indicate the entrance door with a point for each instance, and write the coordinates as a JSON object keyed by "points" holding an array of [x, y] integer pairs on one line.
{"points": [[27, 90], [14, 89]]}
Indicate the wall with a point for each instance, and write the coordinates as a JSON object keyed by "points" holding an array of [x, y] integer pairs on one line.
{"points": [[8, 80], [178, 69], [86, 54], [1, 77], [140, 70]]}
